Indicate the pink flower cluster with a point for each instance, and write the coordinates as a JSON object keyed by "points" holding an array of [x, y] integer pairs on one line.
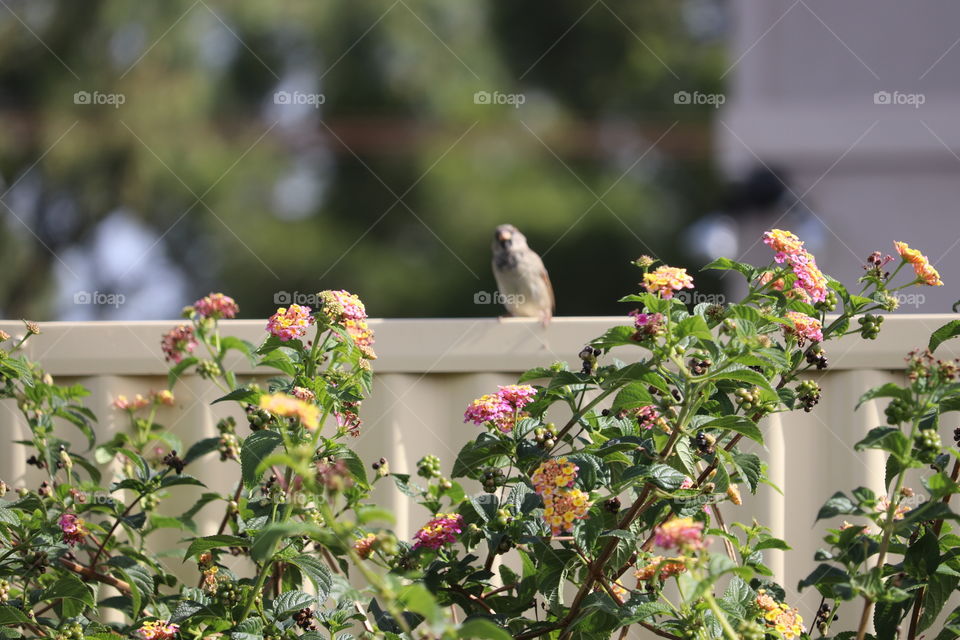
{"points": [[804, 327], [341, 306], [178, 342], [810, 283], [500, 408], [440, 530], [216, 305], [289, 323], [680, 533], [73, 527], [157, 630]]}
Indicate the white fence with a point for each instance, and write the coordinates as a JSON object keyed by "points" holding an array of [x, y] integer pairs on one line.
{"points": [[428, 370]]}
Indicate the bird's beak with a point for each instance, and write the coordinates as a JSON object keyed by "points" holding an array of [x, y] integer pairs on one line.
{"points": [[504, 237]]}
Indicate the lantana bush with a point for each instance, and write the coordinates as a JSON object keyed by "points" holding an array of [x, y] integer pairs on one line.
{"points": [[618, 516]]}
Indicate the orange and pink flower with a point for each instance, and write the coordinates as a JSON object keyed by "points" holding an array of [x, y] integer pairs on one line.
{"points": [[289, 407], [216, 305], [289, 323], [667, 280]]}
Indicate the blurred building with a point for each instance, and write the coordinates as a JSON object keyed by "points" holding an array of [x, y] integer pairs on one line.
{"points": [[854, 106]]}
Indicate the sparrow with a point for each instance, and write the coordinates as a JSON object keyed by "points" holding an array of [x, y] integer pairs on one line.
{"points": [[522, 280]]}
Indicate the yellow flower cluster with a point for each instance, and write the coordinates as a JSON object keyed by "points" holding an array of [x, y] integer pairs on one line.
{"points": [[665, 280], [554, 475], [564, 508], [289, 407], [563, 505], [785, 620], [921, 265]]}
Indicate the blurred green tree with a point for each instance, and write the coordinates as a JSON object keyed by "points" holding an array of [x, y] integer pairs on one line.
{"points": [[214, 146]]}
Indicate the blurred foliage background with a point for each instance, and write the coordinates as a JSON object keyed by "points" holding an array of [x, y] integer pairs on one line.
{"points": [[200, 180]]}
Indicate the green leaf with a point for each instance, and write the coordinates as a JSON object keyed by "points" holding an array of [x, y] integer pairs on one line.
{"points": [[631, 396], [614, 337], [243, 346], [279, 360], [944, 333], [739, 424], [694, 326], [240, 394], [749, 466], [888, 439], [744, 374], [482, 628], [199, 545], [485, 450], [665, 477], [266, 540], [727, 264], [838, 504], [317, 572], [201, 448], [255, 448], [290, 601], [177, 370], [69, 586], [939, 589], [888, 390], [12, 615], [922, 557]]}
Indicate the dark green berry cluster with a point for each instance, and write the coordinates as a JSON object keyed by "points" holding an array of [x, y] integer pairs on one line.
{"points": [[208, 369], [71, 631], [257, 417], [504, 517], [898, 411], [612, 505], [228, 594], [546, 436], [491, 479], [750, 400], [428, 467], [751, 630], [870, 326], [4, 590], [928, 445], [808, 393]]}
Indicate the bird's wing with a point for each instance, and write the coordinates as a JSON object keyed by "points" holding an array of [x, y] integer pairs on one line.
{"points": [[546, 283]]}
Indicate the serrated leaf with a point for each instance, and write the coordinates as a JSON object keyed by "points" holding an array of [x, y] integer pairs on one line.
{"points": [[240, 394], [922, 557], [482, 628], [316, 572], [177, 370], [290, 601], [738, 424], [255, 448]]}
